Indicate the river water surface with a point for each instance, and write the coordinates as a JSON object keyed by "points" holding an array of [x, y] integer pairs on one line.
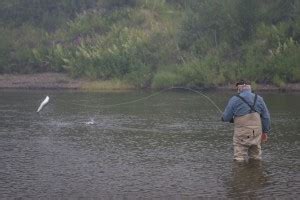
{"points": [[169, 146]]}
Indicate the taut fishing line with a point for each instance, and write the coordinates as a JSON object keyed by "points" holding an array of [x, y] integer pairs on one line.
{"points": [[153, 95], [198, 92]]}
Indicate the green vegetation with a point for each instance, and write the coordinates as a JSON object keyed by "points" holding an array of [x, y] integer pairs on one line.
{"points": [[153, 43]]}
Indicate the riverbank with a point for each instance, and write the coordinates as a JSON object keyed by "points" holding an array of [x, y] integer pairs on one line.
{"points": [[63, 81], [56, 81]]}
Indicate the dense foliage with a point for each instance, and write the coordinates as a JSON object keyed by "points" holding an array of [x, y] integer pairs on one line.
{"points": [[154, 43]]}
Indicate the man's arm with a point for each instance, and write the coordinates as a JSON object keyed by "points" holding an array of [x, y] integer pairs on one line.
{"points": [[265, 117], [229, 112]]}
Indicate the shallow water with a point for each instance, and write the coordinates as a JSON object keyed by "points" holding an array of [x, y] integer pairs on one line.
{"points": [[170, 146]]}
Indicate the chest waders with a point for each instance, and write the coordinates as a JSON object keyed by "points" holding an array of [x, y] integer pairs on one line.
{"points": [[247, 134]]}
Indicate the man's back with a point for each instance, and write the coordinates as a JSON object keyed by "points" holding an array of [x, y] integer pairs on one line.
{"points": [[237, 107]]}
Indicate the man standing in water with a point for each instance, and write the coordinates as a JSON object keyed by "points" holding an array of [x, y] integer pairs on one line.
{"points": [[251, 119]]}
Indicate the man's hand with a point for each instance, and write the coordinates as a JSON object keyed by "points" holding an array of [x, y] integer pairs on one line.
{"points": [[264, 137]]}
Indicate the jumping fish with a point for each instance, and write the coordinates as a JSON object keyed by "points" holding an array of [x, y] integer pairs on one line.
{"points": [[46, 100]]}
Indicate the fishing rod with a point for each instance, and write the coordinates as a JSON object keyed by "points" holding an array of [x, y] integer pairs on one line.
{"points": [[205, 96]]}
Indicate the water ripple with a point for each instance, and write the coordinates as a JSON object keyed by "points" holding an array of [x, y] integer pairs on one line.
{"points": [[172, 147]]}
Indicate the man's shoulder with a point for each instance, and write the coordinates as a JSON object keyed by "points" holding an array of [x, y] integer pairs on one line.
{"points": [[260, 100], [258, 96], [234, 99]]}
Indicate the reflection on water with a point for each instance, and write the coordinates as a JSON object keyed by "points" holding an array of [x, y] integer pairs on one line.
{"points": [[171, 146], [247, 180]]}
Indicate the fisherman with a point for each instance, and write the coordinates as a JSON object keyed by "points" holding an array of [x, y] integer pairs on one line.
{"points": [[251, 119]]}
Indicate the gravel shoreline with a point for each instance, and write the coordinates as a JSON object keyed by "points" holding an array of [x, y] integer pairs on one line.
{"points": [[63, 81]]}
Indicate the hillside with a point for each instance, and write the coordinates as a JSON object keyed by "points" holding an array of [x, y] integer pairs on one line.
{"points": [[153, 44]]}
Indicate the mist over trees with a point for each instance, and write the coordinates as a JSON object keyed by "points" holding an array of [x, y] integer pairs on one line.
{"points": [[154, 43]]}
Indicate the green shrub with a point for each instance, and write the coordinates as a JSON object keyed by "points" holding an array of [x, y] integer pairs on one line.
{"points": [[154, 5], [5, 49], [278, 81], [87, 24], [140, 76], [286, 61], [153, 43], [105, 57], [166, 79], [16, 49], [205, 72]]}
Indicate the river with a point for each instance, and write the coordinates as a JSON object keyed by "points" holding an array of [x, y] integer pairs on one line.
{"points": [[90, 145]]}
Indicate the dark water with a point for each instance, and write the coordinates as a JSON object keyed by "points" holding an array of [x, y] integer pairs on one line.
{"points": [[170, 146]]}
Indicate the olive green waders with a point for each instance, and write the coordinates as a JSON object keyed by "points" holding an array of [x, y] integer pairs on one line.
{"points": [[247, 137]]}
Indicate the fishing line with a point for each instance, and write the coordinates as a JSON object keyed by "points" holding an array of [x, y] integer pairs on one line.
{"points": [[153, 95], [198, 92], [123, 103]]}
